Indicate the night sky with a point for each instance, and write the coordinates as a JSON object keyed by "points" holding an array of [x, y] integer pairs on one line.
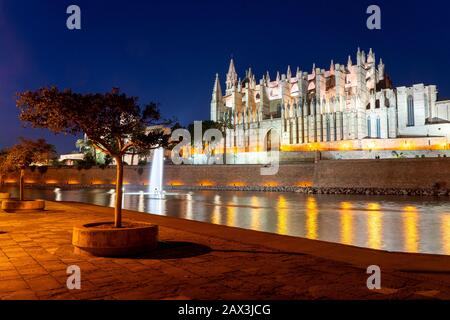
{"points": [[169, 52]]}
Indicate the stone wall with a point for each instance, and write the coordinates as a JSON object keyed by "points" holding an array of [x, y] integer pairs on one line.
{"points": [[384, 173]]}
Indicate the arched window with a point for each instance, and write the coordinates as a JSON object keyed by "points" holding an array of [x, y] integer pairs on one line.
{"points": [[369, 128], [410, 111], [378, 127], [269, 141]]}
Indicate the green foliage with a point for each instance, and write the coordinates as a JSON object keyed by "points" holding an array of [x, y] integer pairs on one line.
{"points": [[397, 155]]}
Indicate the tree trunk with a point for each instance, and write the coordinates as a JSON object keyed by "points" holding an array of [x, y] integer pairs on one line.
{"points": [[22, 174], [119, 184], [132, 157]]}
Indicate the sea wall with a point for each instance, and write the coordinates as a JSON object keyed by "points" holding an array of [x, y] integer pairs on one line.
{"points": [[422, 173]]}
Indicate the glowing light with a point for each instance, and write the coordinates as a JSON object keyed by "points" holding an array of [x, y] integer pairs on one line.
{"points": [[10, 181], [30, 181], [346, 226], [255, 220], [345, 146], [206, 183], [231, 214], [304, 184], [373, 206], [371, 145], [215, 219], [73, 182], [445, 231], [346, 205], [96, 182], [282, 215], [236, 184], [411, 235], [51, 182], [374, 229], [311, 218], [270, 184], [176, 183]]}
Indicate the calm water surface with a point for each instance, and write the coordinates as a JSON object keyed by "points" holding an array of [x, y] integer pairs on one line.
{"points": [[379, 222]]}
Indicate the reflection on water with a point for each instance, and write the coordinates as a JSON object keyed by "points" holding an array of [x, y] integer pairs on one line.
{"points": [[386, 223], [311, 218]]}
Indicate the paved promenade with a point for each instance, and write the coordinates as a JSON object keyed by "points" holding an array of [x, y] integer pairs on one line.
{"points": [[201, 261]]}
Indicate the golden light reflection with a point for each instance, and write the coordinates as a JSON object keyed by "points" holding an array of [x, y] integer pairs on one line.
{"points": [[282, 214], [410, 227], [373, 206], [445, 230], [215, 219], [311, 218], [346, 223], [51, 182], [231, 214], [255, 212], [374, 229]]}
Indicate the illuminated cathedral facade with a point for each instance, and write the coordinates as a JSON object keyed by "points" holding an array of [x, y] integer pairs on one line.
{"points": [[352, 106]]}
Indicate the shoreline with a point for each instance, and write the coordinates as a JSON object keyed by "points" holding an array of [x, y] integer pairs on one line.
{"points": [[369, 191]]}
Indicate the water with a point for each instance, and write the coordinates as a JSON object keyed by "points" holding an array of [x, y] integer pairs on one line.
{"points": [[156, 174], [380, 222]]}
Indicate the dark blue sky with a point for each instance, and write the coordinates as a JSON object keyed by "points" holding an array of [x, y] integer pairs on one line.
{"points": [[169, 51]]}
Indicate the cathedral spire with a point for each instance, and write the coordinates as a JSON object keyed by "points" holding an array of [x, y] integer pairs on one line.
{"points": [[358, 57], [278, 76], [349, 62], [231, 75], [217, 90], [288, 72], [332, 65], [298, 74]]}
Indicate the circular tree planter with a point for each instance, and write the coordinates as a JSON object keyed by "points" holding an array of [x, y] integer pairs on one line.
{"points": [[103, 240], [25, 205]]}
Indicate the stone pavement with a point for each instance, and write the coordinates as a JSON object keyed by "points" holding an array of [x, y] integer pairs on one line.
{"points": [[194, 261]]}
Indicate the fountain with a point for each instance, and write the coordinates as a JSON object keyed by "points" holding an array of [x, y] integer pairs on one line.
{"points": [[156, 174]]}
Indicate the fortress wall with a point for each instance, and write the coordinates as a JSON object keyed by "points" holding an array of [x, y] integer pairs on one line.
{"points": [[384, 173]]}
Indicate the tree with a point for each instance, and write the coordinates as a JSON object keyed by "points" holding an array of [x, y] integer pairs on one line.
{"points": [[114, 123], [22, 155], [3, 155], [87, 147], [224, 124]]}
